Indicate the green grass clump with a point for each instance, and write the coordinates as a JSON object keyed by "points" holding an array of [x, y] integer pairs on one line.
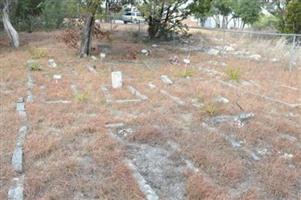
{"points": [[233, 73], [34, 66], [37, 53], [211, 109], [186, 73], [81, 97]]}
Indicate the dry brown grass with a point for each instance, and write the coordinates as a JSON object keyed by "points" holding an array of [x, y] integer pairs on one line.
{"points": [[68, 153], [12, 86], [198, 188], [280, 179]]}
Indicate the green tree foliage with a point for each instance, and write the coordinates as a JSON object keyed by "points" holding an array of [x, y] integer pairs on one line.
{"points": [[221, 7], [165, 17], [287, 13], [25, 12], [293, 17], [53, 13], [278, 9], [247, 10], [201, 9], [266, 22]]}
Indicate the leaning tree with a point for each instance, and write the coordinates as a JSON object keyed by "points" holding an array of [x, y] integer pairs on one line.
{"points": [[86, 41], [10, 30]]}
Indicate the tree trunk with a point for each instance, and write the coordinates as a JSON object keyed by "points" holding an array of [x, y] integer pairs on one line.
{"points": [[86, 40], [10, 30], [153, 27]]}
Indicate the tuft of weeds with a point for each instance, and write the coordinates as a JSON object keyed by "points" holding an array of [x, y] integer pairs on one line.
{"points": [[233, 73], [211, 109], [81, 97], [186, 73], [37, 53], [200, 97], [34, 66]]}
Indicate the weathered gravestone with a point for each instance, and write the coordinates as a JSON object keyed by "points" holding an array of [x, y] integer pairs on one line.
{"points": [[116, 79]]}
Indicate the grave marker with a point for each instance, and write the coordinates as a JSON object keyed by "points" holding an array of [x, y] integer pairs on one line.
{"points": [[20, 105], [51, 63], [116, 79], [166, 80]]}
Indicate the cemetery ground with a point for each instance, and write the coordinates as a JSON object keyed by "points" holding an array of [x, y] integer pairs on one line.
{"points": [[215, 126]]}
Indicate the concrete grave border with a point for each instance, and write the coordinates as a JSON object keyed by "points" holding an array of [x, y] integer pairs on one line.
{"points": [[165, 93], [110, 100], [16, 190]]}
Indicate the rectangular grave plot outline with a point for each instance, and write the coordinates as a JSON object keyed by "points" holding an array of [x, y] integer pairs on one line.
{"points": [[137, 96]]}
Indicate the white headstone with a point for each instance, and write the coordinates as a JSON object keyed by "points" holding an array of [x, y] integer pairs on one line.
{"points": [[102, 56], [186, 61], [116, 79], [57, 77]]}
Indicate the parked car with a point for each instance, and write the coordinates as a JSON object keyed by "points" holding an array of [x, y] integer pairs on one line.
{"points": [[132, 17]]}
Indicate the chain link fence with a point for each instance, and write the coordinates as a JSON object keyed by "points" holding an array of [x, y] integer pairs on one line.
{"points": [[261, 46]]}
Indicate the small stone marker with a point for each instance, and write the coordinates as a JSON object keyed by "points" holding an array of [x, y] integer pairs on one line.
{"points": [[213, 52], [166, 80], [102, 56], [20, 104], [116, 79], [114, 125], [186, 61], [287, 156], [151, 85], [92, 68], [51, 63], [93, 58], [174, 60], [221, 99], [229, 48], [57, 77], [256, 57], [145, 52]]}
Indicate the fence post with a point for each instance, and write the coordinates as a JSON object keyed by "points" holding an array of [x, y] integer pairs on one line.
{"points": [[292, 53], [111, 21]]}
